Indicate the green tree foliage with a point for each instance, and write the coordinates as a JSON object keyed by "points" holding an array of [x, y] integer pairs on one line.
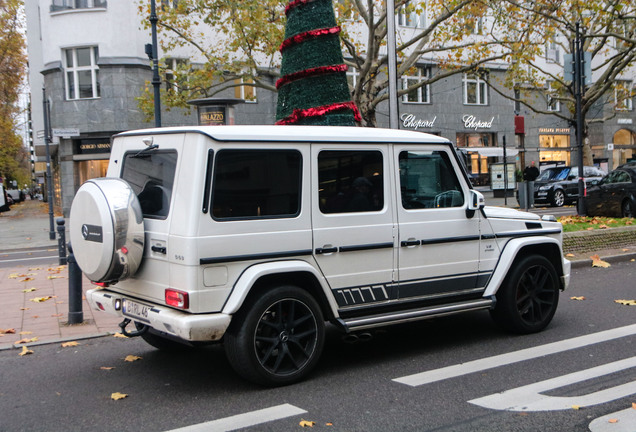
{"points": [[250, 32], [12, 69], [539, 28]]}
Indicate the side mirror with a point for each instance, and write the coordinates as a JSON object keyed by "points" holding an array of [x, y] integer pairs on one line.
{"points": [[476, 200], [594, 182]]}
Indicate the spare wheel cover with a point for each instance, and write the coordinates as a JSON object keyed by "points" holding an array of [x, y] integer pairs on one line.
{"points": [[107, 229]]}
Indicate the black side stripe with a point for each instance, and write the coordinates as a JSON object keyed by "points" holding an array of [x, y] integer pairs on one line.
{"points": [[365, 247], [528, 233], [252, 257], [450, 240]]}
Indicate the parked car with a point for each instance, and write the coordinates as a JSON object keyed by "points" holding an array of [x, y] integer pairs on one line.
{"points": [[16, 195], [560, 185], [257, 235], [614, 195]]}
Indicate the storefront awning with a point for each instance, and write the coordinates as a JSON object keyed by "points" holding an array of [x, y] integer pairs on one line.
{"points": [[490, 151]]}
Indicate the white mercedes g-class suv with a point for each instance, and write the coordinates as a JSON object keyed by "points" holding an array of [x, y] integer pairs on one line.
{"points": [[257, 236]]}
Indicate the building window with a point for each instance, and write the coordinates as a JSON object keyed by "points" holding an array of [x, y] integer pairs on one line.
{"points": [[475, 89], [552, 52], [552, 98], [175, 78], [412, 14], [623, 95], [169, 4], [82, 73], [517, 101], [62, 5], [475, 25], [420, 94], [352, 77], [246, 92]]}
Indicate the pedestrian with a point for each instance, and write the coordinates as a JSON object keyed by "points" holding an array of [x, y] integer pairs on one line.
{"points": [[531, 172]]}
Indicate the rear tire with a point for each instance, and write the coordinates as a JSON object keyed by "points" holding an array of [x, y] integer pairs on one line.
{"points": [[528, 297], [558, 198], [276, 338], [627, 210]]}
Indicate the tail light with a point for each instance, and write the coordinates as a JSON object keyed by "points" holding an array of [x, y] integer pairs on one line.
{"points": [[101, 284], [176, 298]]}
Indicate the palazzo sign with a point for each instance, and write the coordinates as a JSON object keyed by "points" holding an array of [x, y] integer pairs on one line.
{"points": [[409, 121], [471, 122]]}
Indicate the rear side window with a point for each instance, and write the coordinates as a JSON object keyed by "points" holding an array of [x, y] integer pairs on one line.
{"points": [[151, 175], [428, 180], [251, 184], [350, 181]]}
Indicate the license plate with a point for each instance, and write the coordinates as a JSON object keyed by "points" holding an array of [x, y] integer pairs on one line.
{"points": [[135, 310], [542, 193]]}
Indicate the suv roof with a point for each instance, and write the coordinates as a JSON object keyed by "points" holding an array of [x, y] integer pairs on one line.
{"points": [[299, 134]]}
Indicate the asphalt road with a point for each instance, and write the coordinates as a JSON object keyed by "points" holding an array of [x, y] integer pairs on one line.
{"points": [[29, 257], [398, 381]]}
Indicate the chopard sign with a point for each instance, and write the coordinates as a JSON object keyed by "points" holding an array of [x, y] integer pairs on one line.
{"points": [[470, 122], [409, 121]]}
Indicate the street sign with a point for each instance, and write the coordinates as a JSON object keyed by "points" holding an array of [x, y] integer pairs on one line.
{"points": [[66, 132], [568, 68], [610, 146]]}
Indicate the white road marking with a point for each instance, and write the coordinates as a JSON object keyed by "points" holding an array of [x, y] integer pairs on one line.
{"points": [[514, 357], [244, 420], [529, 397], [625, 421], [28, 259]]}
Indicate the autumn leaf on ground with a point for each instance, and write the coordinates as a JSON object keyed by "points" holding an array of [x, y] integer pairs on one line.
{"points": [[70, 344], [598, 262], [7, 331], [626, 302], [570, 255], [107, 368], [29, 279], [35, 269], [25, 351], [24, 309], [132, 358], [57, 315], [633, 405], [120, 335], [24, 341], [576, 407], [305, 423], [14, 276], [28, 290], [625, 250], [612, 421], [577, 298], [26, 332], [117, 396], [41, 299], [603, 226]]}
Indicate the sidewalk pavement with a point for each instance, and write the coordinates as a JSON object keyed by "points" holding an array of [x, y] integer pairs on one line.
{"points": [[34, 299]]}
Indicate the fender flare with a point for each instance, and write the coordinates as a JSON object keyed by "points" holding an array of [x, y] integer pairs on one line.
{"points": [[510, 253], [252, 274]]}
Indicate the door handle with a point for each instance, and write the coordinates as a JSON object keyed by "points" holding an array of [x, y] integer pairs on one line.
{"points": [[410, 242], [158, 249], [326, 250]]}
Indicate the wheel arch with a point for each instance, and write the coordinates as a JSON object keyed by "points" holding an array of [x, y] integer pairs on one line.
{"points": [[262, 277], [517, 249]]}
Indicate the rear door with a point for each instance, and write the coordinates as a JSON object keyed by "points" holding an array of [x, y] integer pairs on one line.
{"points": [[439, 242], [353, 222]]}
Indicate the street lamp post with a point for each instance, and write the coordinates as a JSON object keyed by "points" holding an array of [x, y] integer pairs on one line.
{"points": [[392, 64], [578, 91], [156, 81], [47, 141]]}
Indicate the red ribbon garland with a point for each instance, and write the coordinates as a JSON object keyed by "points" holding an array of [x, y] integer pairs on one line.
{"points": [[320, 70], [295, 3], [301, 37], [299, 114]]}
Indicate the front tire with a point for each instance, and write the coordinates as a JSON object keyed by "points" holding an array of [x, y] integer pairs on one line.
{"points": [[276, 338], [627, 210], [558, 198], [528, 297]]}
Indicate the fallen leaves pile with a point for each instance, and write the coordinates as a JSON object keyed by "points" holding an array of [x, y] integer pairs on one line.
{"points": [[596, 221], [598, 262]]}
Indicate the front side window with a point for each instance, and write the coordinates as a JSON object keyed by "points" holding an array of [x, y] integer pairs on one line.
{"points": [[475, 89], [419, 94], [350, 181], [151, 176], [254, 184], [81, 73], [428, 180]]}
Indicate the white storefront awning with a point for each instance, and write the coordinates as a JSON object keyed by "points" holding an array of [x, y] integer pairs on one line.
{"points": [[490, 151]]}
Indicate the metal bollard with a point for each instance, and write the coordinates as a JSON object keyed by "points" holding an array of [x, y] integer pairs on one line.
{"points": [[61, 240], [75, 314]]}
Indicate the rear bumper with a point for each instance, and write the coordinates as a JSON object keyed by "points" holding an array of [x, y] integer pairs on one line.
{"points": [[187, 326]]}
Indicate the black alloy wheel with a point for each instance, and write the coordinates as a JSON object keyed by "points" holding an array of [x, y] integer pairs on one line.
{"points": [[528, 297], [276, 339], [627, 210], [558, 198]]}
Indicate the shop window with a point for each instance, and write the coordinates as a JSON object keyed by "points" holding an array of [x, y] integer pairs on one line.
{"points": [[81, 73], [475, 89], [256, 184], [421, 94], [554, 149], [350, 181]]}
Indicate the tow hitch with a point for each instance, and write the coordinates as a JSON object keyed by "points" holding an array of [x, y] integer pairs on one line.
{"points": [[141, 328]]}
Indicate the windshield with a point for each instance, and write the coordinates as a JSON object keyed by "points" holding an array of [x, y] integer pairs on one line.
{"points": [[554, 174]]}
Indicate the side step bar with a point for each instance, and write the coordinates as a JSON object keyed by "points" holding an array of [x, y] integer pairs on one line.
{"points": [[361, 323]]}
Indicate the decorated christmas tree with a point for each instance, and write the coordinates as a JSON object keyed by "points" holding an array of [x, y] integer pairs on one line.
{"points": [[313, 89]]}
